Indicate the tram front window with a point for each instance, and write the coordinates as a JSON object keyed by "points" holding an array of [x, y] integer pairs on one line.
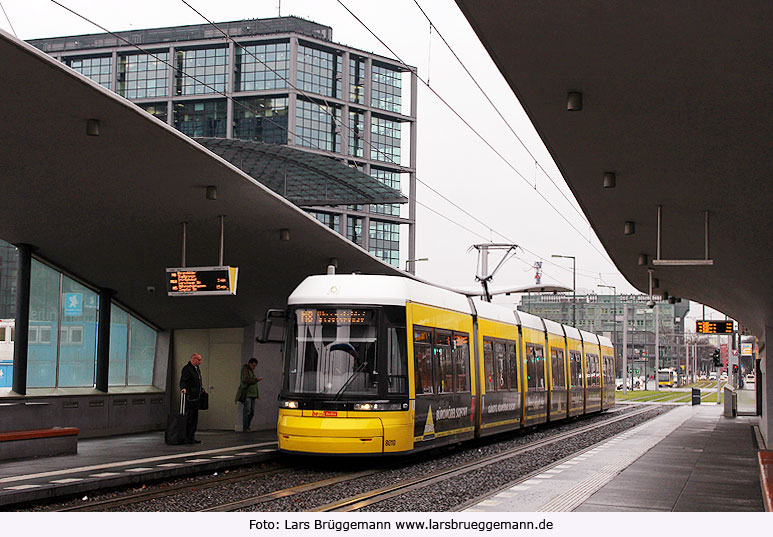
{"points": [[333, 351]]}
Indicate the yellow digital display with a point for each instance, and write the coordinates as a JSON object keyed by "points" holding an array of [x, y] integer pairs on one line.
{"points": [[335, 317], [714, 327], [201, 281]]}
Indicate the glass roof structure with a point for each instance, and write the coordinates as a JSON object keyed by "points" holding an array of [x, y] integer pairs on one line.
{"points": [[302, 177]]}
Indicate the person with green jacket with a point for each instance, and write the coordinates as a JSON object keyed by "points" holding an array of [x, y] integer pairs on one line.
{"points": [[249, 391]]}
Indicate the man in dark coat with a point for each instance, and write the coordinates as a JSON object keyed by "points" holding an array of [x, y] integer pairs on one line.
{"points": [[191, 386]]}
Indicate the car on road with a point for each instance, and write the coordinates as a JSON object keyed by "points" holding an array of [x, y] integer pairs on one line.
{"points": [[712, 375], [750, 378]]}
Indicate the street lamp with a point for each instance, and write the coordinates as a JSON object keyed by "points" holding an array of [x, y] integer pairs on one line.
{"points": [[574, 287], [614, 316], [414, 261]]}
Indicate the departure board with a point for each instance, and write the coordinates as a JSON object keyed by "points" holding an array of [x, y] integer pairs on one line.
{"points": [[201, 281], [714, 327]]}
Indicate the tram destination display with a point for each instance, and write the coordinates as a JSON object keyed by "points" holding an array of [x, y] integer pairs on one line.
{"points": [[201, 281], [714, 327], [335, 317]]}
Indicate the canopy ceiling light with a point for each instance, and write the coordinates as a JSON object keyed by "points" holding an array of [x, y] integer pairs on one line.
{"points": [[642, 259], [92, 127], [610, 180], [629, 228], [574, 101]]}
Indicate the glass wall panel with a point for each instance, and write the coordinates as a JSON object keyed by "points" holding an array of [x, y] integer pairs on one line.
{"points": [[77, 335], [384, 241], [9, 262], [142, 76], [44, 323], [386, 89], [201, 118], [354, 229], [97, 69], [319, 71], [119, 339], [391, 179], [201, 71], [316, 128], [385, 140], [356, 133], [333, 221], [142, 353], [157, 110], [261, 118], [356, 79], [264, 66]]}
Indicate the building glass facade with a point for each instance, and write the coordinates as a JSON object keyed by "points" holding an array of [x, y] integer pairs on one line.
{"points": [[264, 66], [143, 76], [291, 84], [201, 71], [261, 118]]}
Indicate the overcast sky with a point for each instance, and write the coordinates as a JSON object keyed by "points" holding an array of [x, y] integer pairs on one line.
{"points": [[451, 158]]}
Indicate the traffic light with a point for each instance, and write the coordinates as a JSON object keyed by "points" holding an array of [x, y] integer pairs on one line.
{"points": [[735, 369], [717, 359]]}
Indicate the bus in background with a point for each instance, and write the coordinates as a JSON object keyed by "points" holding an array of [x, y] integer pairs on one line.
{"points": [[7, 333]]}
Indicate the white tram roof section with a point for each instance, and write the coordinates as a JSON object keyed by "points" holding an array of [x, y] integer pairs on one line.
{"points": [[605, 341], [495, 312], [589, 337], [376, 290], [531, 321], [553, 327], [571, 332]]}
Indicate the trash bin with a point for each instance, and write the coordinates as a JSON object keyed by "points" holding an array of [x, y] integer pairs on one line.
{"points": [[696, 396]]}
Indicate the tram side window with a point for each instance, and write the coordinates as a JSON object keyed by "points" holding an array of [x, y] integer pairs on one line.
{"points": [[396, 373], [461, 359], [488, 365], [422, 349], [557, 366], [535, 366], [592, 372], [445, 361], [575, 369], [501, 365], [512, 367]]}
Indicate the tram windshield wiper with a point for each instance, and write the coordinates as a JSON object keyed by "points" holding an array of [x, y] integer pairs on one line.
{"points": [[359, 369]]}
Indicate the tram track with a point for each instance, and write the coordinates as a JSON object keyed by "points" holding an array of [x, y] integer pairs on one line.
{"points": [[365, 499]]}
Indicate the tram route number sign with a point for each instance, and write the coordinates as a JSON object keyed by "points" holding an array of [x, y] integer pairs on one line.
{"points": [[714, 327], [201, 281]]}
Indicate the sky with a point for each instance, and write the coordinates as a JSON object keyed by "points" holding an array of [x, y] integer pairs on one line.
{"points": [[506, 206]]}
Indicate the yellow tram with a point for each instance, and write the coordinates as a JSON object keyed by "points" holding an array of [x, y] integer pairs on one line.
{"points": [[390, 365]]}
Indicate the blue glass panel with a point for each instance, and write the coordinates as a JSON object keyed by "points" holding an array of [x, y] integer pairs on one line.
{"points": [[44, 321], [77, 335], [119, 335], [142, 353]]}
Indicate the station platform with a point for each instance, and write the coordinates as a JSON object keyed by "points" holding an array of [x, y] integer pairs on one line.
{"points": [[127, 460], [689, 459]]}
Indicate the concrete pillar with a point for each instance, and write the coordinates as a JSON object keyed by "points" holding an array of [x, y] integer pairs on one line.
{"points": [[766, 378], [23, 278]]}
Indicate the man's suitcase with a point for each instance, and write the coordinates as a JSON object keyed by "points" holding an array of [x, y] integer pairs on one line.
{"points": [[176, 425]]}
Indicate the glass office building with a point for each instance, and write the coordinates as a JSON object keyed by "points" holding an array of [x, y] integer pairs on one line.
{"points": [[278, 81]]}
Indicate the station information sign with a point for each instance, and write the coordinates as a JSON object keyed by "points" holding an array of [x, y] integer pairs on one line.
{"points": [[714, 327], [201, 281]]}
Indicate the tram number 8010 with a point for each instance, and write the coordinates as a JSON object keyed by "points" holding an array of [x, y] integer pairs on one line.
{"points": [[388, 443]]}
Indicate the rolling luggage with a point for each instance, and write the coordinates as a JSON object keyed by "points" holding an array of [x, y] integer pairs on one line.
{"points": [[176, 424]]}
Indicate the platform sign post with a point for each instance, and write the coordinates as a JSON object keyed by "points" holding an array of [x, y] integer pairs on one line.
{"points": [[201, 281]]}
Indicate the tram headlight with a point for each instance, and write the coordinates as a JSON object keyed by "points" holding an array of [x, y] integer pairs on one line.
{"points": [[288, 404]]}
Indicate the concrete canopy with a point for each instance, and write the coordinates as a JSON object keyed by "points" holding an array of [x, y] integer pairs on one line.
{"points": [[677, 102], [108, 208]]}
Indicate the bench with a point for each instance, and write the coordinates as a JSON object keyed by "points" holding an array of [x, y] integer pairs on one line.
{"points": [[39, 443], [766, 478]]}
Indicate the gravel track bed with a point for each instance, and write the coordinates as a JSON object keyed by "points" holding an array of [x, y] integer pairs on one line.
{"points": [[451, 493], [303, 470]]}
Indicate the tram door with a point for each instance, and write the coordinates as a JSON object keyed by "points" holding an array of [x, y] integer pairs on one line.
{"points": [[221, 350]]}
